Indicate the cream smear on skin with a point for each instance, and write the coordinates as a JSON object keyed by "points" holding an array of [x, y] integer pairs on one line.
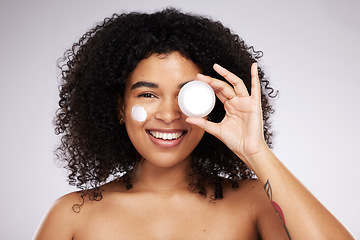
{"points": [[138, 113]]}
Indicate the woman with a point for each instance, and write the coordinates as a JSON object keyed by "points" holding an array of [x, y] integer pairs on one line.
{"points": [[167, 176]]}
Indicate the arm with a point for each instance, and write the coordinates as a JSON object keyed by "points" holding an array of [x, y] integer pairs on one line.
{"points": [[242, 131], [303, 216]]}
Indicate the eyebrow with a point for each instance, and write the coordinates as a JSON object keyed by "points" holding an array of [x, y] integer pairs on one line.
{"points": [[153, 85], [144, 84]]}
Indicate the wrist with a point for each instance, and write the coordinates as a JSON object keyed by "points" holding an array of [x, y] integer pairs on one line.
{"points": [[261, 160], [260, 151]]}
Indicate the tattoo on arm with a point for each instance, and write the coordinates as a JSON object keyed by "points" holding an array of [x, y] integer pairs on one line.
{"points": [[268, 190]]}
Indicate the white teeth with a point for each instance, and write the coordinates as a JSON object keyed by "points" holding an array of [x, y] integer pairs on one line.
{"points": [[166, 136]]}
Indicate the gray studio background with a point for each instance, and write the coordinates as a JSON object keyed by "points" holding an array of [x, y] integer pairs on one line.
{"points": [[311, 55]]}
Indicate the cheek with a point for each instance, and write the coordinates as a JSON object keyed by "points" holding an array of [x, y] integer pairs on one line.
{"points": [[199, 133]]}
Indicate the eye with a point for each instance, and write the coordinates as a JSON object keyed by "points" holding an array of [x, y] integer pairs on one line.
{"points": [[147, 95]]}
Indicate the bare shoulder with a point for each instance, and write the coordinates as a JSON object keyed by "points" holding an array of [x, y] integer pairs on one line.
{"points": [[61, 220], [246, 200], [250, 195], [248, 190], [69, 214], [255, 201]]}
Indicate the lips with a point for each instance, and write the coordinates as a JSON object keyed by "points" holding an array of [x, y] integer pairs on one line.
{"points": [[166, 138]]}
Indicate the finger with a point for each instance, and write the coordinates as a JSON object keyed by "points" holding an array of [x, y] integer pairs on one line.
{"points": [[239, 86], [255, 82], [218, 86], [221, 97], [208, 126]]}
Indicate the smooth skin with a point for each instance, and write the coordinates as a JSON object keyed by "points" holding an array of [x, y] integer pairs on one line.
{"points": [[160, 206]]}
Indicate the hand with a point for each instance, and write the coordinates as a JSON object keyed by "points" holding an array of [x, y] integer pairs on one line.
{"points": [[241, 129]]}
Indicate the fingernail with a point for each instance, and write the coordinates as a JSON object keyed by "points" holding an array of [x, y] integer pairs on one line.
{"points": [[200, 75], [217, 65]]}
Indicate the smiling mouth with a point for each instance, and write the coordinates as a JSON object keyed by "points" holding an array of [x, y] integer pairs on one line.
{"points": [[167, 135]]}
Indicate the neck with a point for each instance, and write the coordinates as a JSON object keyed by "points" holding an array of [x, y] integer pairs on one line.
{"points": [[162, 180]]}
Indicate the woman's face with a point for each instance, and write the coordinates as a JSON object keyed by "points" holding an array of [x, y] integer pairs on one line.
{"points": [[163, 139]]}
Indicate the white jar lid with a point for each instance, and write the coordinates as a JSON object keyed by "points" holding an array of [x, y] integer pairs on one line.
{"points": [[196, 99]]}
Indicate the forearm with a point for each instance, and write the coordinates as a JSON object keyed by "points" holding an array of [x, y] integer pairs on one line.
{"points": [[304, 216]]}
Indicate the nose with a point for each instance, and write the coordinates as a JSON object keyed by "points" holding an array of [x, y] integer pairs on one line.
{"points": [[168, 110]]}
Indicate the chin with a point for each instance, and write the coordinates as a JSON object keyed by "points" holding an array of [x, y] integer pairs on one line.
{"points": [[165, 160]]}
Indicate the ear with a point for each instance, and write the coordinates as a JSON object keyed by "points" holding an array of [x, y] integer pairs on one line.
{"points": [[121, 108]]}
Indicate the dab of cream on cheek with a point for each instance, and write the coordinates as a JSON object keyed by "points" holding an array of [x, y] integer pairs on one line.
{"points": [[138, 113]]}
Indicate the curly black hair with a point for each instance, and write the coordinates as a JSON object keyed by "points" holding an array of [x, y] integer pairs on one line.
{"points": [[94, 146]]}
